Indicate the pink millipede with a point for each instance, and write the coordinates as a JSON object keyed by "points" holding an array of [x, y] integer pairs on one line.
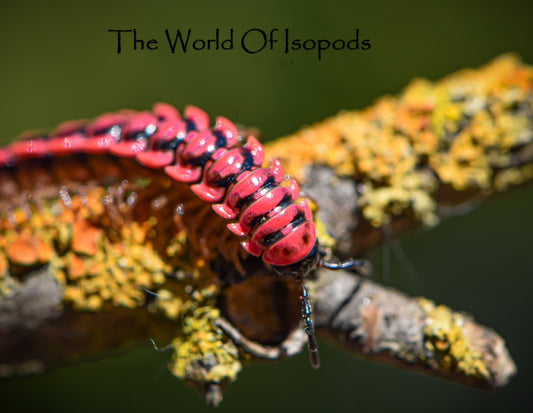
{"points": [[220, 168]]}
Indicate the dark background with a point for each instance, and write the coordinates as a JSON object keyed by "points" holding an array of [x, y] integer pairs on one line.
{"points": [[59, 62]]}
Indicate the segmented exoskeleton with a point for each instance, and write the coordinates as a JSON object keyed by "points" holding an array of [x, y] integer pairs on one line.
{"points": [[220, 169]]}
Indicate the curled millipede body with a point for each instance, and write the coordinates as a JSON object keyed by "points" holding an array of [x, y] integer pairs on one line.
{"points": [[221, 170]]}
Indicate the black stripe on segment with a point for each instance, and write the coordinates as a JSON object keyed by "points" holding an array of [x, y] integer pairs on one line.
{"points": [[170, 145], [220, 143], [202, 160], [258, 220], [221, 139], [139, 135], [270, 239], [298, 219], [191, 126], [285, 202], [247, 164], [228, 180], [269, 183], [248, 159]]}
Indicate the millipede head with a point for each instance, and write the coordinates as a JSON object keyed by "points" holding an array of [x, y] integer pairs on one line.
{"points": [[300, 269]]}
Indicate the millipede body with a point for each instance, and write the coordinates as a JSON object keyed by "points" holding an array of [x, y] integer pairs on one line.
{"points": [[221, 168]]}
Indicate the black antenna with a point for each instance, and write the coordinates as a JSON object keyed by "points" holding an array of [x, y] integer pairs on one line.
{"points": [[309, 327]]}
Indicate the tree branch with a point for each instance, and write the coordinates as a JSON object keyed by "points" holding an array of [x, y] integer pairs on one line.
{"points": [[385, 325]]}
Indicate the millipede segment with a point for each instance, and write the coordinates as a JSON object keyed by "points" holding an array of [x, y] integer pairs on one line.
{"points": [[214, 161]]}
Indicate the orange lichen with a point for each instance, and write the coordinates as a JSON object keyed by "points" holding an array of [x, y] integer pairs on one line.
{"points": [[3, 265], [95, 269], [116, 272], [27, 249], [23, 251], [85, 237]]}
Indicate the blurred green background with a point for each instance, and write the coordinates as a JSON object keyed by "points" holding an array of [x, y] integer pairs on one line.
{"points": [[59, 62]]}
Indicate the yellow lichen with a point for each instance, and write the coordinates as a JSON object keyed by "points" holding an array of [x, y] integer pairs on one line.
{"points": [[447, 346], [193, 290], [170, 304], [413, 191], [326, 240], [461, 129], [513, 177], [204, 353]]}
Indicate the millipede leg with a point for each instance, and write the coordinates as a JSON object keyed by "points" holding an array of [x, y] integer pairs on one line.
{"points": [[161, 349], [309, 327], [291, 346], [362, 267]]}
